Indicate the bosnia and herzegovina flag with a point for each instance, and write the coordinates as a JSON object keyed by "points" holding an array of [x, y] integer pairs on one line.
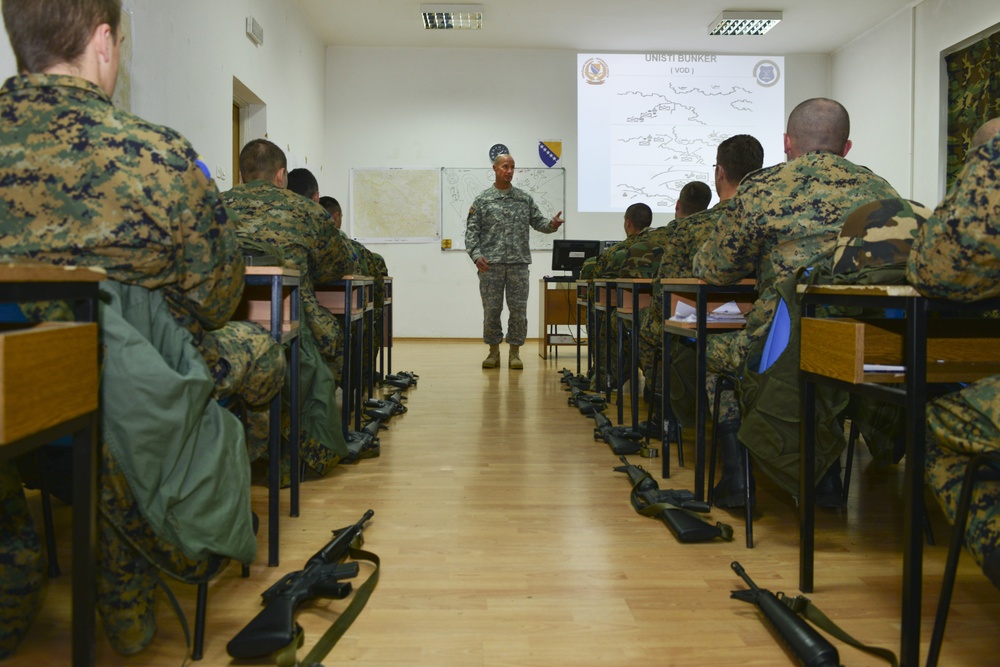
{"points": [[550, 152]]}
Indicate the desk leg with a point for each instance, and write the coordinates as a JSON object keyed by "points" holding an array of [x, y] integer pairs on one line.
{"points": [[294, 439], [358, 371], [701, 397], [913, 485], [807, 487], [665, 413], [634, 378], [345, 373], [618, 373], [86, 454], [578, 331]]}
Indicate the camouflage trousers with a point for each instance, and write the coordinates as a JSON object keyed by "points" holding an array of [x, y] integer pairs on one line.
{"points": [[20, 562], [326, 330], [960, 426], [511, 279]]}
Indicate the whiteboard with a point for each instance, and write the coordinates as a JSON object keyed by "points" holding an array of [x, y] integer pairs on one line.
{"points": [[460, 186]]}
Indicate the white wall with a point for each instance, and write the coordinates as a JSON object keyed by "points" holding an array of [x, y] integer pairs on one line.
{"points": [[445, 108]]}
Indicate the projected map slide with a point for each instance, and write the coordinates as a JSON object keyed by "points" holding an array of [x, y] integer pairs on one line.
{"points": [[649, 123]]}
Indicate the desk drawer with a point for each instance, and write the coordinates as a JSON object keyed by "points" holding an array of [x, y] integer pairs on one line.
{"points": [[957, 349], [48, 375]]}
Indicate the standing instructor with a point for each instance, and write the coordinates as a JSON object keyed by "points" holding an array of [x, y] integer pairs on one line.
{"points": [[496, 237]]}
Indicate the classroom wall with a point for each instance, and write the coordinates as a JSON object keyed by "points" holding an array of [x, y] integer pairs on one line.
{"points": [[439, 107]]}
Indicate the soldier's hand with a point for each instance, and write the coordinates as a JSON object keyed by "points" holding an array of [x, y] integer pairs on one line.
{"points": [[557, 221], [482, 264]]}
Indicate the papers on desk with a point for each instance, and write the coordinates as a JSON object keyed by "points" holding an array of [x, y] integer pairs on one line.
{"points": [[883, 368], [727, 312]]}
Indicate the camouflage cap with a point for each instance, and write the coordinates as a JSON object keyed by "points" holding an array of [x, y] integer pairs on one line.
{"points": [[879, 233]]}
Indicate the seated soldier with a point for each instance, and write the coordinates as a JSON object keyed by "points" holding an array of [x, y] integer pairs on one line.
{"points": [[301, 229], [956, 255], [693, 198], [90, 185], [667, 252]]}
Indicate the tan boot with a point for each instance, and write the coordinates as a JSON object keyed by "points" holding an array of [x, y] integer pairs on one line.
{"points": [[515, 359], [493, 359]]}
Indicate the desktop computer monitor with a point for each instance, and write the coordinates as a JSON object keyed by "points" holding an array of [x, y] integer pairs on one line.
{"points": [[569, 254]]}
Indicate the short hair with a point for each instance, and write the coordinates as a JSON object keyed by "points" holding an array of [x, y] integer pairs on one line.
{"points": [[44, 33], [739, 155], [819, 124], [261, 159], [640, 215], [986, 131], [330, 204], [694, 196], [302, 182], [499, 157]]}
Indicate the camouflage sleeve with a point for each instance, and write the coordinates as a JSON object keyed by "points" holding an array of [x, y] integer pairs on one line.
{"points": [[538, 219], [728, 255], [209, 260], [473, 228], [957, 250], [334, 257]]}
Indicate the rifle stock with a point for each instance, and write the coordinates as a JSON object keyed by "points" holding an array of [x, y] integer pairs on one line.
{"points": [[274, 627], [807, 646]]}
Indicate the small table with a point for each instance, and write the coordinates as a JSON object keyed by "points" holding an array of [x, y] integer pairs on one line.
{"points": [[745, 292], [74, 413], [385, 344], [605, 300], [349, 297], [267, 303], [912, 343], [556, 302]]}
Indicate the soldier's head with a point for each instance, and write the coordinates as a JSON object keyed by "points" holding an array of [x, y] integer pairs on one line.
{"points": [[333, 208], [736, 157], [79, 37], [262, 160], [819, 124], [637, 218], [503, 167], [302, 182], [694, 197], [986, 131]]}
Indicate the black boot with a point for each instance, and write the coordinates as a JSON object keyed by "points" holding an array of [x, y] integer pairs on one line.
{"points": [[731, 490], [830, 490]]}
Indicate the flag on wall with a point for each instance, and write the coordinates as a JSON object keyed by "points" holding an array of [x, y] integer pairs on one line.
{"points": [[550, 152]]}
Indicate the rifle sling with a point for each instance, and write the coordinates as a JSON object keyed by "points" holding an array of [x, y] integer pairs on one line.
{"points": [[804, 607], [343, 622], [654, 510]]}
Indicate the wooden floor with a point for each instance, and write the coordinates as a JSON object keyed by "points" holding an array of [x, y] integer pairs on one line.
{"points": [[507, 539]]}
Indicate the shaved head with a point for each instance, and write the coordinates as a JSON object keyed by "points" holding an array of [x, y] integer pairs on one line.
{"points": [[986, 132], [819, 124]]}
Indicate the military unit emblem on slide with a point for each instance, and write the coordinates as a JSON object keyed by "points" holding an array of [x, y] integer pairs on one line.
{"points": [[595, 71], [766, 72]]}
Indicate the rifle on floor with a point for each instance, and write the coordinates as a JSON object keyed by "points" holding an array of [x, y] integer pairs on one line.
{"points": [[674, 507], [385, 409], [586, 403], [622, 440], [401, 380], [572, 381], [364, 444], [274, 628]]}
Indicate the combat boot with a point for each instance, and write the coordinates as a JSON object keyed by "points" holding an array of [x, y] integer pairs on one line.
{"points": [[731, 490], [515, 358], [493, 359]]}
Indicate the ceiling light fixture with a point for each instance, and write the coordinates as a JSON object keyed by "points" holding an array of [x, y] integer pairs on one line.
{"points": [[744, 23], [452, 17]]}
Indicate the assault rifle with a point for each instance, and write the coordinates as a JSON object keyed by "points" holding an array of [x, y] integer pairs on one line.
{"points": [[571, 381], [807, 646], [621, 440], [364, 444], [402, 380], [673, 507], [274, 627], [586, 403], [384, 409]]}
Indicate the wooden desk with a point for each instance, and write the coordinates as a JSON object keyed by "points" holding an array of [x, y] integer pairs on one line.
{"points": [[744, 292], [556, 306], [385, 344], [349, 297], [27, 427], [585, 304], [271, 298], [633, 295], [968, 353]]}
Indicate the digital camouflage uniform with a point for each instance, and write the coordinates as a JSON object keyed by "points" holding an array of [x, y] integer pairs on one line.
{"points": [[679, 240], [781, 218], [309, 242], [87, 184], [957, 256], [497, 228]]}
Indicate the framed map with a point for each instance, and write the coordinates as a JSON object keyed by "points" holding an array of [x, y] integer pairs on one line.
{"points": [[396, 205]]}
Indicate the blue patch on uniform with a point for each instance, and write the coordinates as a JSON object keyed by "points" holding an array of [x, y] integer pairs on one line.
{"points": [[204, 169]]}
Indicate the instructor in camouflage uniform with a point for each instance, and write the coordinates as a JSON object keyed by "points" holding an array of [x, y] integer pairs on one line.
{"points": [[796, 208], [956, 255], [87, 184], [496, 238]]}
